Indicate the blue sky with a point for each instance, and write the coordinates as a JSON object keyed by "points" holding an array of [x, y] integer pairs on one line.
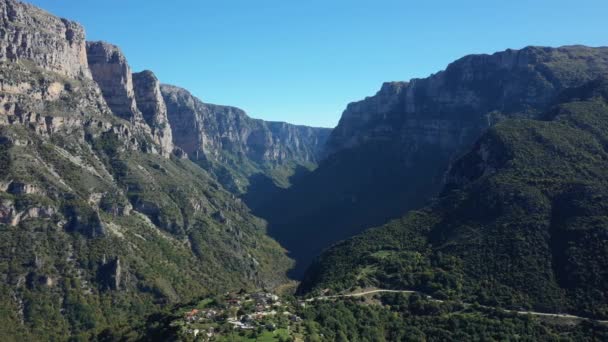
{"points": [[303, 61]]}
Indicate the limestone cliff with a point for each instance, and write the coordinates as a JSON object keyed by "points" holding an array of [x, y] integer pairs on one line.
{"points": [[135, 97], [29, 33], [210, 129], [113, 75], [452, 107], [151, 104]]}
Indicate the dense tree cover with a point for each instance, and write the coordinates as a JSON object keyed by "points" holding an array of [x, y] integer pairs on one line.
{"points": [[416, 319], [522, 222]]}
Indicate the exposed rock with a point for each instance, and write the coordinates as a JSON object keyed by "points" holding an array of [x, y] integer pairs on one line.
{"points": [[453, 107], [33, 280], [11, 215], [47, 101], [114, 204], [47, 281], [112, 73], [152, 106], [29, 33], [159, 215], [179, 153], [207, 130], [220, 217]]}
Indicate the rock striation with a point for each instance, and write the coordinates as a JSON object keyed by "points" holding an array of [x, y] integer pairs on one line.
{"points": [[151, 104], [210, 131], [135, 97], [112, 73], [29, 33]]}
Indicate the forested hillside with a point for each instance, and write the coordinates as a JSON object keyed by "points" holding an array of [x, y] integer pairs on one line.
{"points": [[522, 221]]}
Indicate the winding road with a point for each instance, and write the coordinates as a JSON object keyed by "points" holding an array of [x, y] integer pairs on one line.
{"points": [[533, 313]]}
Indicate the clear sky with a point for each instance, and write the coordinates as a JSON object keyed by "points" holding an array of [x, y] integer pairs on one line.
{"points": [[302, 61]]}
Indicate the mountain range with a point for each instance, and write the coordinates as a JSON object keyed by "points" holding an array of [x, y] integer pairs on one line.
{"points": [[392, 151], [121, 196]]}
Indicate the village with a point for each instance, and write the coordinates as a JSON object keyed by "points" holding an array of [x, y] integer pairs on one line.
{"points": [[240, 317]]}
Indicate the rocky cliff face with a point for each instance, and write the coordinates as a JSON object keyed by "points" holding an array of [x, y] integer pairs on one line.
{"points": [[294, 142], [29, 33], [133, 97], [151, 104], [211, 129], [227, 135], [113, 75], [452, 107]]}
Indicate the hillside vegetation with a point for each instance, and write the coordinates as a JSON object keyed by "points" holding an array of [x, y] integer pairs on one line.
{"points": [[97, 230]]}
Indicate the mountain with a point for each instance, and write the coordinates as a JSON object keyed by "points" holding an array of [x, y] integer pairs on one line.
{"points": [[124, 201], [240, 150], [102, 219], [390, 152], [521, 222]]}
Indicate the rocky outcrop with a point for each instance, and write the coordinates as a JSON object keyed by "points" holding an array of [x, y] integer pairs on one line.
{"points": [[152, 106], [19, 188], [113, 75], [11, 214], [133, 97], [55, 44], [294, 141], [209, 131]]}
